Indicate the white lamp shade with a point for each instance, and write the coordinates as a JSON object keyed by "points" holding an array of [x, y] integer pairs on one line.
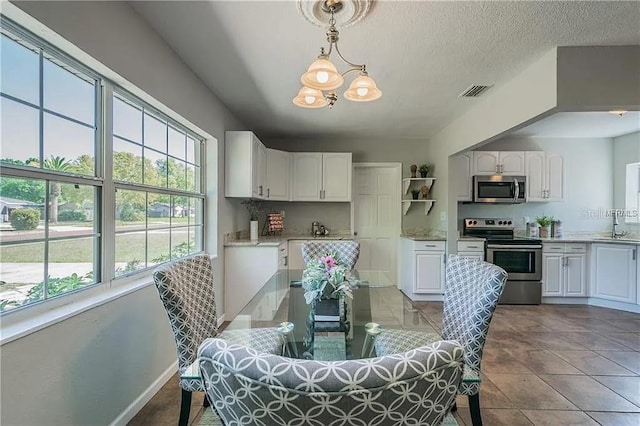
{"points": [[322, 75], [363, 89], [310, 98]]}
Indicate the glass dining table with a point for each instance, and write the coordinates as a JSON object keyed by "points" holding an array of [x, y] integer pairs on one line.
{"points": [[377, 304]]}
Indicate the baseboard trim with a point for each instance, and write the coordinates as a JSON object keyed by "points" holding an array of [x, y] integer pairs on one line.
{"points": [[133, 408]]}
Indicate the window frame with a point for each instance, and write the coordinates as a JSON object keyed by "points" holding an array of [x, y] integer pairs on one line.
{"points": [[106, 285]]}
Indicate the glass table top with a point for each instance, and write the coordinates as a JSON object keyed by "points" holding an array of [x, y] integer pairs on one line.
{"points": [[377, 304]]}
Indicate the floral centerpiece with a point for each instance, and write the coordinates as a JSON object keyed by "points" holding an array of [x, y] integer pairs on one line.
{"points": [[326, 278]]}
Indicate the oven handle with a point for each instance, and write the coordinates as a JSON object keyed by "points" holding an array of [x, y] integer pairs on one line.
{"points": [[514, 247]]}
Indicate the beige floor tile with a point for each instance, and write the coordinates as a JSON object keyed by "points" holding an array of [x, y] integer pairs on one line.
{"points": [[628, 359], [552, 341], [529, 391], [498, 417], [542, 361], [628, 387], [616, 419], [558, 417], [593, 363], [501, 361], [594, 341], [631, 340], [589, 395], [490, 397]]}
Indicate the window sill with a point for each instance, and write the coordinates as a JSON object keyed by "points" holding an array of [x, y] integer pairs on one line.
{"points": [[14, 328]]}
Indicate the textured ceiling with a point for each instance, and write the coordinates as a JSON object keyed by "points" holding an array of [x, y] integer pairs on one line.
{"points": [[422, 54]]}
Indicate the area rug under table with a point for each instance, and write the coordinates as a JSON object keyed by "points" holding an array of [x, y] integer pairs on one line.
{"points": [[210, 418]]}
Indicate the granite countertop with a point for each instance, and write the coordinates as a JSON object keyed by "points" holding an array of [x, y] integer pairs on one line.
{"points": [[424, 235], [590, 239], [270, 241]]}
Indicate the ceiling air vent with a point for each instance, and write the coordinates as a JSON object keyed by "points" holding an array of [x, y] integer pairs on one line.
{"points": [[474, 91]]}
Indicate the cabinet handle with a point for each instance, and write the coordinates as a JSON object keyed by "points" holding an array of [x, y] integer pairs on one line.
{"points": [[633, 254], [260, 190], [429, 245], [268, 192], [286, 260], [473, 247]]}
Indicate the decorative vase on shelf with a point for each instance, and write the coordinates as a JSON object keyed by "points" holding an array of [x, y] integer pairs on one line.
{"points": [[413, 169], [253, 230]]}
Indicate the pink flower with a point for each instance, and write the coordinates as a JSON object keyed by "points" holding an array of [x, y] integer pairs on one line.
{"points": [[328, 261]]}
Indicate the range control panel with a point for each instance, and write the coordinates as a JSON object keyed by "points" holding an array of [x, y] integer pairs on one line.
{"points": [[491, 223]]}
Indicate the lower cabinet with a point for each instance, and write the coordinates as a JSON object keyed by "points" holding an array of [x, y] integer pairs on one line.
{"points": [[614, 272], [423, 268], [246, 270], [564, 269]]}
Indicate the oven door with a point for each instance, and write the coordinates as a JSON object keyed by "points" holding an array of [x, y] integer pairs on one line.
{"points": [[522, 262]]}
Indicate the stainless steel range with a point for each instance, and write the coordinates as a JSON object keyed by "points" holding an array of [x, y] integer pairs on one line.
{"points": [[520, 257]]}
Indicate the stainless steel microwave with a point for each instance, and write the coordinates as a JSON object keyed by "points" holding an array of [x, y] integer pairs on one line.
{"points": [[499, 189]]}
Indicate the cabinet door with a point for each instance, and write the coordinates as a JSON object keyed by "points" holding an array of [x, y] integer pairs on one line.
{"points": [[238, 164], [614, 273], [277, 175], [306, 177], [485, 162], [294, 253], [511, 162], [258, 168], [461, 165], [336, 176], [554, 177], [429, 272], [553, 272], [574, 278], [535, 172]]}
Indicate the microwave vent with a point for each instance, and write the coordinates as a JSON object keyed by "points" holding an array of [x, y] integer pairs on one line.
{"points": [[474, 91]]}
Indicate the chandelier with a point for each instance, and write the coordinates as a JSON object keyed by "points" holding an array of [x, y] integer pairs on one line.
{"points": [[322, 78]]}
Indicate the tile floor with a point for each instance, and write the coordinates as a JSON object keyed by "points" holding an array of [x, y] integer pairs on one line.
{"points": [[542, 365]]}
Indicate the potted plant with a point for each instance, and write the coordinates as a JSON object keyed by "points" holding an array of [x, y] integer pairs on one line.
{"points": [[545, 225], [415, 193], [424, 170], [254, 208]]}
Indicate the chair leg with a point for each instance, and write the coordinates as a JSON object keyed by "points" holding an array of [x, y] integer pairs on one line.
{"points": [[185, 408], [205, 402], [474, 409], [454, 407]]}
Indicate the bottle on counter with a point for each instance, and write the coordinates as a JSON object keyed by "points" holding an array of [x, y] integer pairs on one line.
{"points": [[557, 229], [534, 230]]}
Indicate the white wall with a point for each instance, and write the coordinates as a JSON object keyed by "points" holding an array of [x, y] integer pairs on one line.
{"points": [[406, 151], [588, 168], [626, 149], [89, 368]]}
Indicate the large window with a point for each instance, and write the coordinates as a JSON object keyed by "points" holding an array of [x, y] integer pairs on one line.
{"points": [[60, 164]]}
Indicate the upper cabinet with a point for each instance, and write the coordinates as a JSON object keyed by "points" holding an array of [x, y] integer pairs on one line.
{"points": [[545, 176], [321, 176], [461, 164], [498, 162], [278, 175], [245, 165]]}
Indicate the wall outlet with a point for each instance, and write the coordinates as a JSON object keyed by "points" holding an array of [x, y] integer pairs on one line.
{"points": [[443, 216]]}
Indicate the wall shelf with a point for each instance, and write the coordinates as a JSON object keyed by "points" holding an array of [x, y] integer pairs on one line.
{"points": [[417, 183], [428, 205]]}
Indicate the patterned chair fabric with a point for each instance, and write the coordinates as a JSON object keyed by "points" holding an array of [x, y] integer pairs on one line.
{"points": [[472, 291], [185, 287], [249, 387], [347, 251]]}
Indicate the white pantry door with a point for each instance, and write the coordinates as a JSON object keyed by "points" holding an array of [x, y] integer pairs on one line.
{"points": [[376, 215]]}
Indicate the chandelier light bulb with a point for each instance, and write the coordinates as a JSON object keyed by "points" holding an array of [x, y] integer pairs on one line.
{"points": [[363, 89], [309, 99], [322, 75]]}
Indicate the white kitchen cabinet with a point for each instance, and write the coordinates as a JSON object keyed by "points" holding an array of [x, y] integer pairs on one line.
{"points": [[423, 268], [461, 165], [321, 176], [498, 162], [295, 260], [614, 272], [545, 176], [473, 249], [241, 283], [564, 269], [277, 179], [245, 165]]}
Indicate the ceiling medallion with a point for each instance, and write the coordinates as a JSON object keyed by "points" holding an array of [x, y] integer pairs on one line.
{"points": [[351, 11], [322, 78]]}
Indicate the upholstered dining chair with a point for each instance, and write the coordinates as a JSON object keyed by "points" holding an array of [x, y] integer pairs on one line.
{"points": [[248, 387], [472, 290], [185, 287], [347, 252]]}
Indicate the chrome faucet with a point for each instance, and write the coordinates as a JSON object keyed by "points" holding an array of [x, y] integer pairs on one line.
{"points": [[614, 231]]}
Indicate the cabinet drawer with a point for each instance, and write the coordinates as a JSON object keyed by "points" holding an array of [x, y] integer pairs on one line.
{"points": [[429, 245], [470, 246], [553, 247], [575, 248]]}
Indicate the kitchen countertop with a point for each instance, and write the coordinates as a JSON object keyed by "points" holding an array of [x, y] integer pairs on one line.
{"points": [[270, 241], [593, 240], [422, 237]]}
